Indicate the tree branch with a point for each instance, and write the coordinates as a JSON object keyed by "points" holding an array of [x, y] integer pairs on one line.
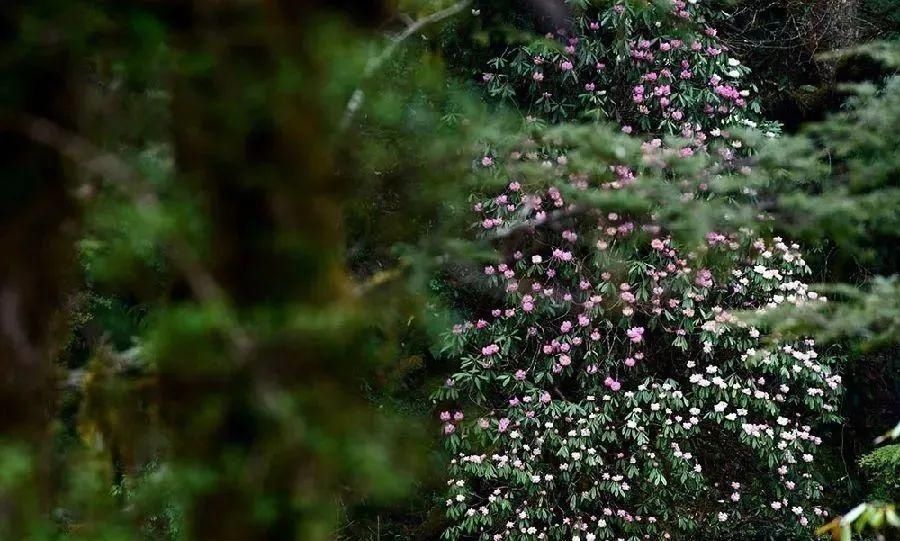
{"points": [[356, 100]]}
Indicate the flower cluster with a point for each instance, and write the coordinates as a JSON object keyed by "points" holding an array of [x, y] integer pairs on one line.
{"points": [[681, 76]]}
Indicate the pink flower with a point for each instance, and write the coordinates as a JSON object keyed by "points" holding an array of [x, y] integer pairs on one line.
{"points": [[636, 334], [566, 326], [520, 375], [704, 278], [449, 429], [713, 238], [445, 416], [487, 161], [727, 91], [503, 424], [537, 76], [565, 66], [490, 349], [528, 303]]}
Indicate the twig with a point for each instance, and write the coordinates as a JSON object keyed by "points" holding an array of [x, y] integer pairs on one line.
{"points": [[357, 98]]}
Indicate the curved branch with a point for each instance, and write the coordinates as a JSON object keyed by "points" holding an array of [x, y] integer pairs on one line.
{"points": [[356, 100]]}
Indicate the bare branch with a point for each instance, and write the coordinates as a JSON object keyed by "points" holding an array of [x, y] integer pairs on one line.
{"points": [[375, 62]]}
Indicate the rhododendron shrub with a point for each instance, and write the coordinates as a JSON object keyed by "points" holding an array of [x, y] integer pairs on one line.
{"points": [[609, 389]]}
